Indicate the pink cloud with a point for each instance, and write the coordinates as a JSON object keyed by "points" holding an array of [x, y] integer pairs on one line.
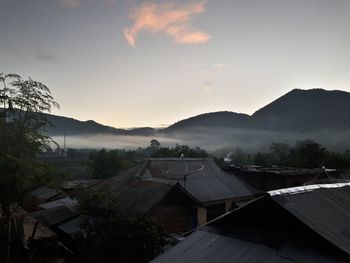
{"points": [[168, 18]]}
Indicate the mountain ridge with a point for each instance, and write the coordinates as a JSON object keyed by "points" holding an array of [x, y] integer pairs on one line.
{"points": [[298, 110]]}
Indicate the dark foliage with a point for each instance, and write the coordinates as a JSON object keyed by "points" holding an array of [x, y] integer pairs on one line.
{"points": [[110, 237], [178, 150], [305, 154], [23, 104]]}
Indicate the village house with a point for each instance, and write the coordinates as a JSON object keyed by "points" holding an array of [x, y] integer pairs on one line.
{"points": [[271, 178], [299, 224], [180, 194]]}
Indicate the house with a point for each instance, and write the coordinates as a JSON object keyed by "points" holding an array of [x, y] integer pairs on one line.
{"points": [[179, 193], [42, 194], [271, 178], [299, 224], [74, 187], [32, 241]]}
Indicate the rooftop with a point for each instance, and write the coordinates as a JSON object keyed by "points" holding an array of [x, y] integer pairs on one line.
{"points": [[308, 224]]}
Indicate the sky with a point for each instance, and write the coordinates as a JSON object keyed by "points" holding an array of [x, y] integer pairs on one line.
{"points": [[129, 63]]}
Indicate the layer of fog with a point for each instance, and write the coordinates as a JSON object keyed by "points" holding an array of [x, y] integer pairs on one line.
{"points": [[211, 139]]}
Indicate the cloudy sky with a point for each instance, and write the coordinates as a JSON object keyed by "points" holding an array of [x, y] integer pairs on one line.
{"points": [[130, 63]]}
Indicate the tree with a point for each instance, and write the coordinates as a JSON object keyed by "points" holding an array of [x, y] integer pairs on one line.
{"points": [[279, 153], [307, 153], [106, 164], [178, 150], [239, 157], [110, 237], [22, 122]]}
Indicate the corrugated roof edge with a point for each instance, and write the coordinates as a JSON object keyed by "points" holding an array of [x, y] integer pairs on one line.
{"points": [[199, 203], [306, 188], [223, 215]]}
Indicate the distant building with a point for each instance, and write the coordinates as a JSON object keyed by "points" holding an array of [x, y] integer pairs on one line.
{"points": [[300, 224], [179, 193], [271, 178], [41, 195]]}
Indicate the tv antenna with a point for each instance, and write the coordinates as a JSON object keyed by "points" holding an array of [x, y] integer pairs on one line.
{"points": [[188, 171]]}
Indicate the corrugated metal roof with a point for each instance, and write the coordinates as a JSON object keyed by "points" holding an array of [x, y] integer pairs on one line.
{"points": [[293, 226], [206, 246], [80, 183], [53, 216], [140, 188], [133, 194], [71, 226], [326, 210], [44, 192], [67, 201], [208, 183]]}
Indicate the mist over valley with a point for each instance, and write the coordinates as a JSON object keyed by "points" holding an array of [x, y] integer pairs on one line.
{"points": [[320, 115]]}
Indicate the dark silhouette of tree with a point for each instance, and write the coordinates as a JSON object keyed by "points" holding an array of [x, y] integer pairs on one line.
{"points": [[105, 164], [279, 153], [262, 159], [307, 153], [176, 152], [22, 121], [111, 237]]}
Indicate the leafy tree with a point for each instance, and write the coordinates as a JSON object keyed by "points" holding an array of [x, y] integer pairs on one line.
{"points": [[279, 153], [239, 157], [176, 151], [110, 237], [307, 153], [262, 159], [106, 164], [22, 121]]}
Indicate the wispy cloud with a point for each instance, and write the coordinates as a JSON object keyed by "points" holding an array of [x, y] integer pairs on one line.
{"points": [[44, 55], [70, 3], [169, 18], [219, 65], [207, 86]]}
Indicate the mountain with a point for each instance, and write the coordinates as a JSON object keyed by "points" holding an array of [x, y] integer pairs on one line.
{"points": [[304, 110], [297, 111], [72, 126], [221, 119]]}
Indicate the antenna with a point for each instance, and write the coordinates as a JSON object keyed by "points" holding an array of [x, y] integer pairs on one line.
{"points": [[180, 175], [330, 178], [64, 144], [186, 168]]}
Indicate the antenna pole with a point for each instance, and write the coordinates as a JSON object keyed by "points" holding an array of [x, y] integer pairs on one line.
{"points": [[64, 144], [186, 171]]}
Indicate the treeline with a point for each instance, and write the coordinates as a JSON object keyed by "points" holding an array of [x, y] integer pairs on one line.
{"points": [[303, 154], [107, 163]]}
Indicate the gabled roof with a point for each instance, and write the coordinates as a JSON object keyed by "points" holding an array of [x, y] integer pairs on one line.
{"points": [[303, 224], [206, 181], [133, 194], [141, 187], [67, 201], [47, 193], [53, 216]]}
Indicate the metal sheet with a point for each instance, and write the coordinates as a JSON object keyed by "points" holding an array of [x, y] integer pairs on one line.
{"points": [[326, 210]]}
